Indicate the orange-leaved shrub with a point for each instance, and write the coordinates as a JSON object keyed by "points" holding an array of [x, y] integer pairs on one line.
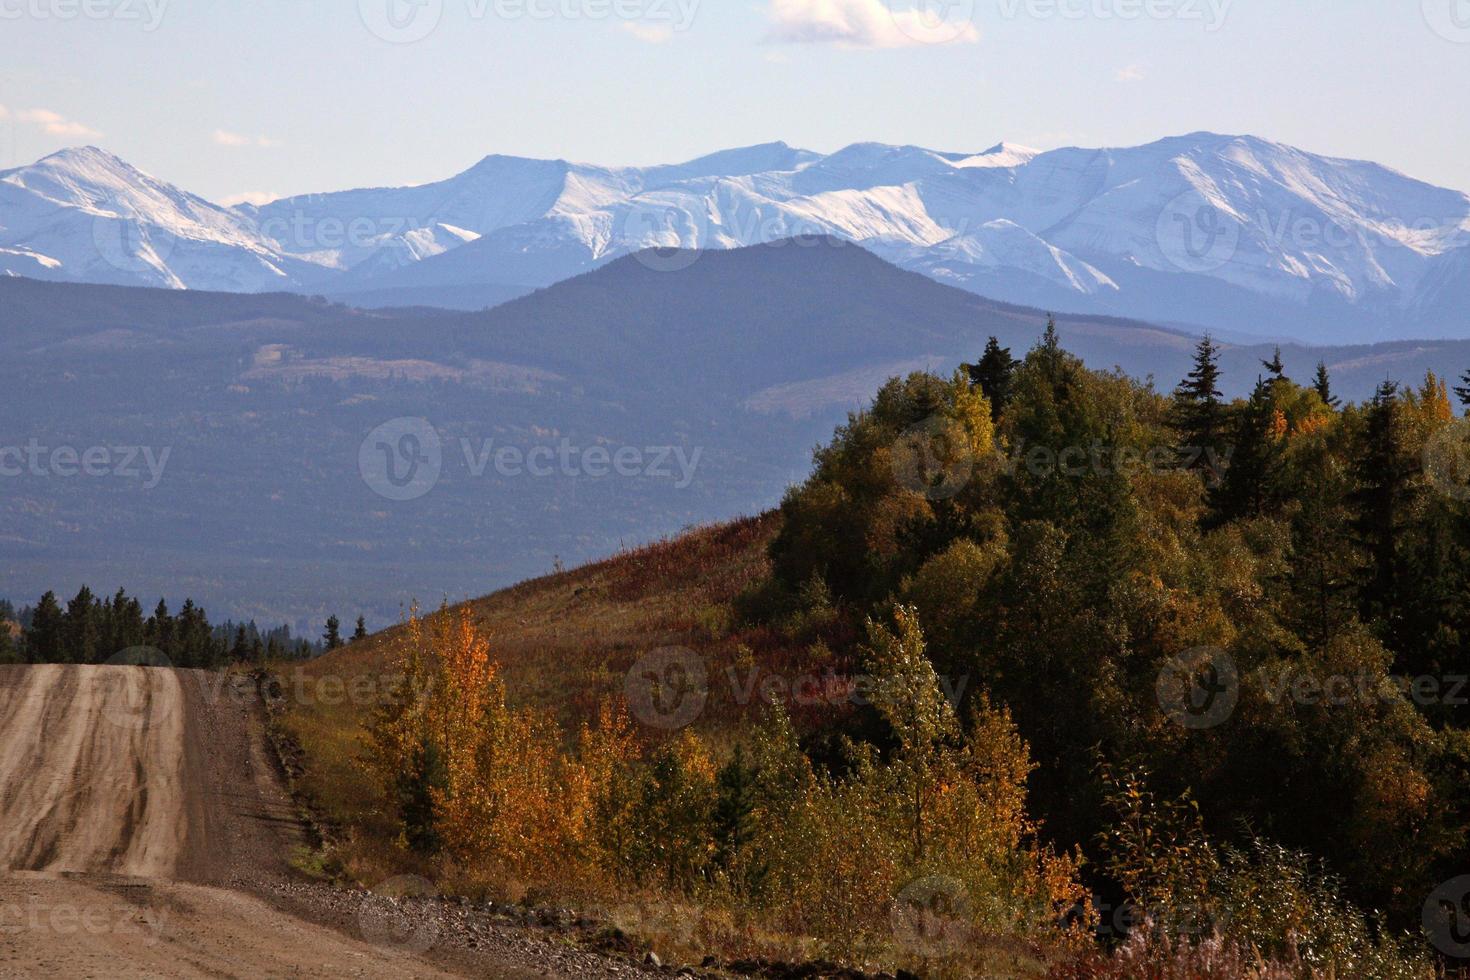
{"points": [[850, 860]]}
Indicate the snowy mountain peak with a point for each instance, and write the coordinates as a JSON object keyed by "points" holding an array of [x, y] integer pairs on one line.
{"points": [[1232, 231]]}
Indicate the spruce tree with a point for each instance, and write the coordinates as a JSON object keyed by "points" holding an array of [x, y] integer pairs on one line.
{"points": [[332, 638], [360, 633], [1323, 386], [1274, 365], [1246, 488], [240, 651], [160, 630], [82, 632], [45, 641], [734, 821], [1462, 390], [1199, 414], [994, 375], [1383, 473]]}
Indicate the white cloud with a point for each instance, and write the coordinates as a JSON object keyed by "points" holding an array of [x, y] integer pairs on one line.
{"points": [[223, 137], [249, 197], [649, 33], [867, 24], [1132, 73], [55, 124]]}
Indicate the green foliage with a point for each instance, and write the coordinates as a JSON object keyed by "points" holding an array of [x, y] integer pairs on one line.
{"points": [[1157, 849], [1320, 558], [413, 797]]}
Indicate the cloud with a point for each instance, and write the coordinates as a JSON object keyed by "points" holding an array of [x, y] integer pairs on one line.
{"points": [[649, 33], [223, 137], [1132, 73], [55, 124], [867, 24], [4, 112], [249, 197]]}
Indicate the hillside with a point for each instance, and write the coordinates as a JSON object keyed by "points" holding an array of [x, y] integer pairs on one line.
{"points": [[565, 642]]}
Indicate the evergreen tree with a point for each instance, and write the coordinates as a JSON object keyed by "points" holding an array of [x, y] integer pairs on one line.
{"points": [[240, 651], [1325, 562], [1199, 415], [193, 637], [1323, 386], [994, 374], [45, 640], [1383, 472], [159, 630], [734, 821], [360, 633], [1256, 445], [415, 797], [82, 633], [332, 638], [9, 646], [1462, 390], [1275, 367]]}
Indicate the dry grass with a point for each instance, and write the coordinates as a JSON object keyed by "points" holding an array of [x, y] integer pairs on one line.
{"points": [[564, 643]]}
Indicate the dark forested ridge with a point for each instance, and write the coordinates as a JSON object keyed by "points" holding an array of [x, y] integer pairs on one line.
{"points": [[263, 402]]}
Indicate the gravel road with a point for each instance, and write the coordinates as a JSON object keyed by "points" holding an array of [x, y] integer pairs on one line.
{"points": [[144, 834]]}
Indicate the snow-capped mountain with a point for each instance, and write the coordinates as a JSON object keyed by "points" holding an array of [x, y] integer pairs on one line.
{"points": [[1221, 231], [85, 215]]}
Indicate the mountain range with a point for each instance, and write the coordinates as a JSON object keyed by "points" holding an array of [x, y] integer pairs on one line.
{"points": [[1236, 234]]}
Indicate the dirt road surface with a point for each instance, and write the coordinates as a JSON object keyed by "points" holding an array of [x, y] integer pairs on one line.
{"points": [[144, 833]]}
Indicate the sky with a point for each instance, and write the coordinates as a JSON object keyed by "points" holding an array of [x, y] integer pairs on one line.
{"points": [[257, 100]]}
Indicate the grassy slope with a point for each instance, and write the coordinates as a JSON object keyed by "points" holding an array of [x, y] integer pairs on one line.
{"points": [[564, 643]]}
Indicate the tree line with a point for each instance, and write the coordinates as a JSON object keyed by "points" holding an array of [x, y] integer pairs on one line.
{"points": [[89, 629]]}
